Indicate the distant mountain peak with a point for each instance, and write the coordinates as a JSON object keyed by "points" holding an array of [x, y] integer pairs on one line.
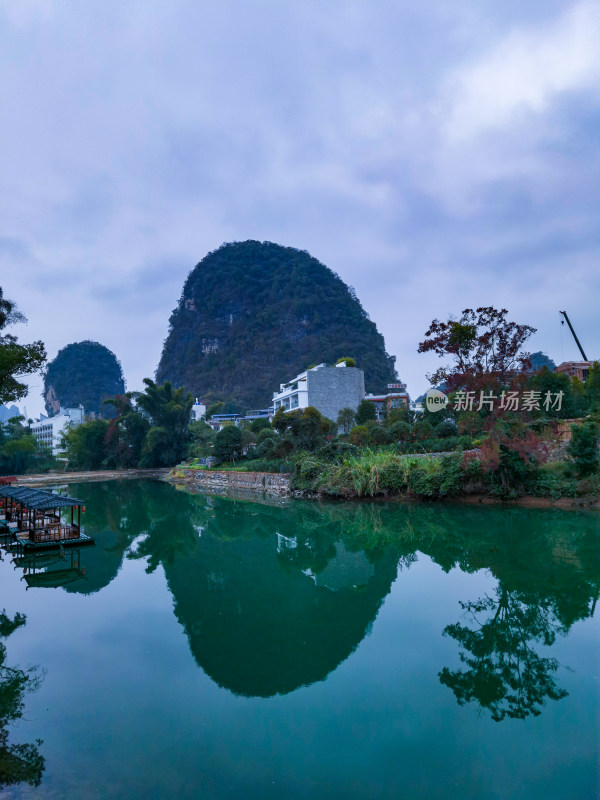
{"points": [[254, 314], [83, 373]]}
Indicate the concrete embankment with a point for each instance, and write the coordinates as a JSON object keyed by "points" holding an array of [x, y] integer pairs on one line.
{"points": [[48, 478], [214, 481]]}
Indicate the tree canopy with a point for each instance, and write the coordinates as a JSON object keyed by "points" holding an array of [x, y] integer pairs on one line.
{"points": [[150, 429], [483, 344], [16, 360]]}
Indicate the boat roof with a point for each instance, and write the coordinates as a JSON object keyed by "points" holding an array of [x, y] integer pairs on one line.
{"points": [[37, 498]]}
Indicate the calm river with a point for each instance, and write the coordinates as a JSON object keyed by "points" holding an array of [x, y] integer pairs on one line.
{"points": [[215, 648]]}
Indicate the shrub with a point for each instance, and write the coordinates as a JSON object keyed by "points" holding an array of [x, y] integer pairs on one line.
{"points": [[551, 483], [436, 479], [445, 429], [421, 481], [514, 475], [359, 435], [399, 431], [307, 473], [397, 415], [392, 478], [452, 475], [379, 435], [422, 430], [335, 450], [583, 448]]}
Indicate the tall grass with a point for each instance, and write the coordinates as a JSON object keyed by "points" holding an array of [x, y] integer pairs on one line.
{"points": [[369, 474]]}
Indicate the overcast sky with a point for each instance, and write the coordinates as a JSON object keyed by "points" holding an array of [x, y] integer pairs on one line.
{"points": [[436, 155]]}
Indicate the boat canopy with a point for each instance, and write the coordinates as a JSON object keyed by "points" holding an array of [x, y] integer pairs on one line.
{"points": [[37, 499]]}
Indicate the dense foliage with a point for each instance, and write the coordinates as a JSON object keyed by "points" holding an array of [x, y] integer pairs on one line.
{"points": [[19, 453], [228, 444], [16, 359], [150, 429], [583, 448], [254, 314], [85, 373]]}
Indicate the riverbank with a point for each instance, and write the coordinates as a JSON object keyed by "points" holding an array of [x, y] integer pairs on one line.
{"points": [[224, 481], [48, 478], [255, 485]]}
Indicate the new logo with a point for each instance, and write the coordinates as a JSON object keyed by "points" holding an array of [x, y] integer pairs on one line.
{"points": [[435, 400]]}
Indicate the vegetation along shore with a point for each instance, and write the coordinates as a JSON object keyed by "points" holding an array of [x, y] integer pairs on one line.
{"points": [[500, 423]]}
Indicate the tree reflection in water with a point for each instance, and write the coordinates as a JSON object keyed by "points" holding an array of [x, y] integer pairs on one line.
{"points": [[504, 673], [19, 763], [273, 597]]}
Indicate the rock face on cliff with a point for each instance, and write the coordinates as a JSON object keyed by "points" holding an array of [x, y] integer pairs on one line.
{"points": [[83, 373], [254, 314]]}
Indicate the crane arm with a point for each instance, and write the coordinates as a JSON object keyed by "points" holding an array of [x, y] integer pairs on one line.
{"points": [[564, 313]]}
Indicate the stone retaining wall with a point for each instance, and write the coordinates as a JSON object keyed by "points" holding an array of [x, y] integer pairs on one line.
{"points": [[214, 480]]}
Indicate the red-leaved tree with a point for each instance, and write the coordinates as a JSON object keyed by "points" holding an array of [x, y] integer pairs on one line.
{"points": [[486, 348]]}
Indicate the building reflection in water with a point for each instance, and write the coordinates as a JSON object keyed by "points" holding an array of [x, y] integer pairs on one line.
{"points": [[274, 597]]}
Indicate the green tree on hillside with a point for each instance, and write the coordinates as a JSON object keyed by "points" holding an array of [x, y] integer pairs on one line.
{"points": [[592, 388], [574, 402]]}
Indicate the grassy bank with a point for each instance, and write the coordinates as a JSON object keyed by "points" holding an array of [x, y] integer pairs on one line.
{"points": [[385, 473]]}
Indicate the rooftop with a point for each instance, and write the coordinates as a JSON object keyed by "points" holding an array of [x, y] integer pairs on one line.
{"points": [[37, 498]]}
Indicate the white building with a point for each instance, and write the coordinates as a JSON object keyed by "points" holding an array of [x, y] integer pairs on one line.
{"points": [[328, 389], [416, 407], [219, 421], [48, 430], [198, 411]]}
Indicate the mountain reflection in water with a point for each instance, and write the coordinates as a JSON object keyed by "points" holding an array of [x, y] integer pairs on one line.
{"points": [[275, 597]]}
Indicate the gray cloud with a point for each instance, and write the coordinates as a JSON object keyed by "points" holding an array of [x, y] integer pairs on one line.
{"points": [[434, 155]]}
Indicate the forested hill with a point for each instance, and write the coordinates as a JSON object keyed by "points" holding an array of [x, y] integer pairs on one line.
{"points": [[254, 314], [83, 373]]}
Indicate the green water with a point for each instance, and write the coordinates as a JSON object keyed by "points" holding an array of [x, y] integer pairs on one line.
{"points": [[215, 648]]}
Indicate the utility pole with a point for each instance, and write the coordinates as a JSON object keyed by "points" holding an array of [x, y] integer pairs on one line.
{"points": [[564, 313]]}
